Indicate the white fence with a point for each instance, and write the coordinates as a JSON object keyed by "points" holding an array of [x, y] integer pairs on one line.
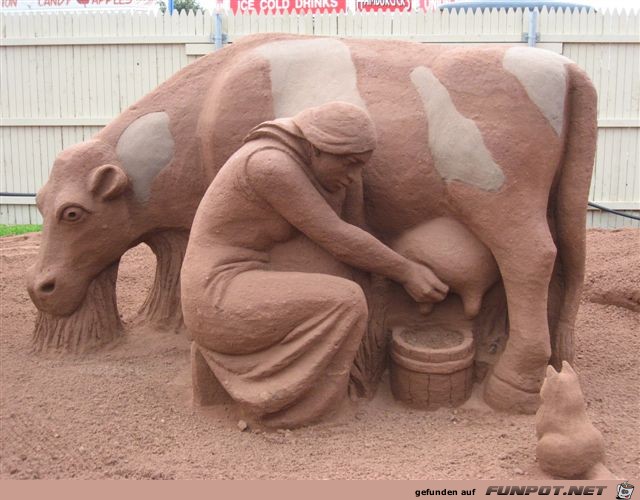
{"points": [[65, 75]]}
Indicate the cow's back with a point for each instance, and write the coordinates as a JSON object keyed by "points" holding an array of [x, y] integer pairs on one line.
{"points": [[458, 128]]}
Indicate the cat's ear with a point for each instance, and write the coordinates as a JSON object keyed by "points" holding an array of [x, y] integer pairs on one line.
{"points": [[551, 371], [566, 367]]}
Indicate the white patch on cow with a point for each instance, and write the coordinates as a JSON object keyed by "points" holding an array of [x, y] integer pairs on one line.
{"points": [[307, 73], [145, 147], [458, 150], [543, 74]]}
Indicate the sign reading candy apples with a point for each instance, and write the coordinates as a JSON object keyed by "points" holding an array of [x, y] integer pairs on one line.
{"points": [[40, 5]]}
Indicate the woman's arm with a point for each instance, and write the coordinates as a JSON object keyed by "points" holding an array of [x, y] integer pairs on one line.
{"points": [[353, 208], [282, 183]]}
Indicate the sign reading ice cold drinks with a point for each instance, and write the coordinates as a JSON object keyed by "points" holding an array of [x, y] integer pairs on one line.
{"points": [[310, 6]]}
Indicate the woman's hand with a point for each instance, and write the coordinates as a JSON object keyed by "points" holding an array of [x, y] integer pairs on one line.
{"points": [[423, 285]]}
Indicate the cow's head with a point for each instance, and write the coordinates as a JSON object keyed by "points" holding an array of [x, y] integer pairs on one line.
{"points": [[87, 206], [86, 225]]}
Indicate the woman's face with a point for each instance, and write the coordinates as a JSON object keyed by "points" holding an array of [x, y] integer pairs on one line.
{"points": [[335, 172]]}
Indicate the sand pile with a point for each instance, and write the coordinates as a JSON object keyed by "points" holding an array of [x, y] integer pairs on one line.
{"points": [[613, 268], [126, 412]]}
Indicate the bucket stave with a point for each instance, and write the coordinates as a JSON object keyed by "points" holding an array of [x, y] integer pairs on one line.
{"points": [[432, 368]]}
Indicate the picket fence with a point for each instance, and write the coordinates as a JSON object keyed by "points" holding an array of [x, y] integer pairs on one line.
{"points": [[65, 75]]}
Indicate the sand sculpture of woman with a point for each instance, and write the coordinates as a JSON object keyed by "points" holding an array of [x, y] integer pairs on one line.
{"points": [[282, 343]]}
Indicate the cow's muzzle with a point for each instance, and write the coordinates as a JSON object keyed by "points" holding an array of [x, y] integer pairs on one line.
{"points": [[50, 295]]}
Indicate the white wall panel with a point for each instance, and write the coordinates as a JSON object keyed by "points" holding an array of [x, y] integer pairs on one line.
{"points": [[65, 74]]}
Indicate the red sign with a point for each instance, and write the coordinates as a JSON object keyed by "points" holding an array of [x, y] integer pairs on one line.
{"points": [[307, 6], [383, 5], [40, 5]]}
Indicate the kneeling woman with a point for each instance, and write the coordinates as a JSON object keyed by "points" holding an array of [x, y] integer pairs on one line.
{"points": [[280, 342]]}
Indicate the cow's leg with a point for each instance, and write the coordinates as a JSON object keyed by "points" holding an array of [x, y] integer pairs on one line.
{"points": [[526, 265], [162, 309]]}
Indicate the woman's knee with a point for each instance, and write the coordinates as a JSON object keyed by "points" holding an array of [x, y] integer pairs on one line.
{"points": [[352, 297]]}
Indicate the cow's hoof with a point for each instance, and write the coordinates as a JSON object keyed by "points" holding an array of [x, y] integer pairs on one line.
{"points": [[503, 396]]}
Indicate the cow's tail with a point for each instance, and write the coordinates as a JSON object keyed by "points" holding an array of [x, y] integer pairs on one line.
{"points": [[570, 211]]}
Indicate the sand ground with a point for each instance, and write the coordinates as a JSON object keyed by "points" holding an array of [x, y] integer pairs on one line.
{"points": [[126, 412]]}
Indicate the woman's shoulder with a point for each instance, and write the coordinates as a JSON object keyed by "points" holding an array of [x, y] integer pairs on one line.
{"points": [[269, 160]]}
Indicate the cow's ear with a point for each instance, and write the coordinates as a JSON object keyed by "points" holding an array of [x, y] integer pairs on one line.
{"points": [[566, 367], [108, 182]]}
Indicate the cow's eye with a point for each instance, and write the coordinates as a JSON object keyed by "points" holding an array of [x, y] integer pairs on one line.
{"points": [[72, 214]]}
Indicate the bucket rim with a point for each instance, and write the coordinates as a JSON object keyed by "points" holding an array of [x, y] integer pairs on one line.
{"points": [[432, 355]]}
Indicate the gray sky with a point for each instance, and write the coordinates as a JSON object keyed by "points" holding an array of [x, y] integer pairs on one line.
{"points": [[604, 4]]}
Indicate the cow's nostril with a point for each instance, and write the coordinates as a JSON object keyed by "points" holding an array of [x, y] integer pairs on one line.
{"points": [[48, 286]]}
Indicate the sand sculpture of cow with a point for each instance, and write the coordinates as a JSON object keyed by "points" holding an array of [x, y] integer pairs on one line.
{"points": [[500, 140]]}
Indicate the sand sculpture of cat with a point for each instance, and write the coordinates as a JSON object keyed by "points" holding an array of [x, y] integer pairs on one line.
{"points": [[569, 446]]}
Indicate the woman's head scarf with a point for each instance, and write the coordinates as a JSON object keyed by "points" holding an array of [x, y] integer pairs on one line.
{"points": [[338, 128]]}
